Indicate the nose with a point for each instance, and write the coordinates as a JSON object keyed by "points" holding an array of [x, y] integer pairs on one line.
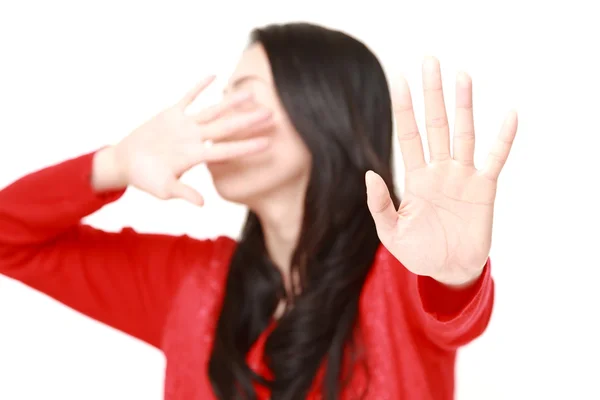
{"points": [[247, 107]]}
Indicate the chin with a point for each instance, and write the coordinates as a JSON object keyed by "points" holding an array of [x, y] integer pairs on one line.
{"points": [[235, 194], [251, 184], [235, 187]]}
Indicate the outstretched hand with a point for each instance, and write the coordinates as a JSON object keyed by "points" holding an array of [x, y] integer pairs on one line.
{"points": [[155, 155], [443, 227]]}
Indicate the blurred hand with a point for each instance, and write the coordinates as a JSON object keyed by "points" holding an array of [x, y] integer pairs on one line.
{"points": [[443, 227], [155, 156]]}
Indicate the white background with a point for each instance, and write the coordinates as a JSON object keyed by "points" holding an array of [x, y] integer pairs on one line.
{"points": [[78, 75]]}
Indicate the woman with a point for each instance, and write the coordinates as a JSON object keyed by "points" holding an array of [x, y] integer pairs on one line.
{"points": [[332, 291]]}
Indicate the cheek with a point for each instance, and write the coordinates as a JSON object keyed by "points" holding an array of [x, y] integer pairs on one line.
{"points": [[254, 177], [289, 161], [293, 156]]}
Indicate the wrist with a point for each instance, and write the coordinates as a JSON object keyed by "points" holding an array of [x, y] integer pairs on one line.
{"points": [[107, 174], [461, 280]]}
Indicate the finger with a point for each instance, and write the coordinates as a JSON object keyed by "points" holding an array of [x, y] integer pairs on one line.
{"points": [[408, 133], [499, 154], [438, 135], [239, 122], [179, 190], [192, 94], [380, 203], [228, 150], [222, 108], [464, 128]]}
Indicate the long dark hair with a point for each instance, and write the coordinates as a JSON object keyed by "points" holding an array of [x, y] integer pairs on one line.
{"points": [[336, 95]]}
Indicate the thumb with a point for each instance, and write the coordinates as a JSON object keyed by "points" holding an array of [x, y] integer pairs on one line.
{"points": [[380, 203], [179, 190]]}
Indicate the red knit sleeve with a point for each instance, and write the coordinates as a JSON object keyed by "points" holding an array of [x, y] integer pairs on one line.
{"points": [[446, 316], [125, 280]]}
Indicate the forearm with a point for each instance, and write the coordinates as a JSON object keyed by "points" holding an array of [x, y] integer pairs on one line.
{"points": [[111, 277], [46, 203]]}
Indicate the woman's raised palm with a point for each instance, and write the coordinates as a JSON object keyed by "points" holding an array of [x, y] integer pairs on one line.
{"points": [[443, 227]]}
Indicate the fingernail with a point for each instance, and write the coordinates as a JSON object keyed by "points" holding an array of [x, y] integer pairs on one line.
{"points": [[400, 92], [431, 63], [463, 78], [399, 86], [369, 177]]}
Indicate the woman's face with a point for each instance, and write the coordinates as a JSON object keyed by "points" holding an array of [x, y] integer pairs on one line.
{"points": [[285, 163]]}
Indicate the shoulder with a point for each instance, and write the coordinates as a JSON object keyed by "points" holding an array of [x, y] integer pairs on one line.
{"points": [[212, 249], [221, 249]]}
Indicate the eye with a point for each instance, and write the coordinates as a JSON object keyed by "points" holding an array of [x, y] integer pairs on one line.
{"points": [[251, 104], [247, 106]]}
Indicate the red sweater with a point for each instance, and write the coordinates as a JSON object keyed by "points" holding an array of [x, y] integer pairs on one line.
{"points": [[167, 291]]}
